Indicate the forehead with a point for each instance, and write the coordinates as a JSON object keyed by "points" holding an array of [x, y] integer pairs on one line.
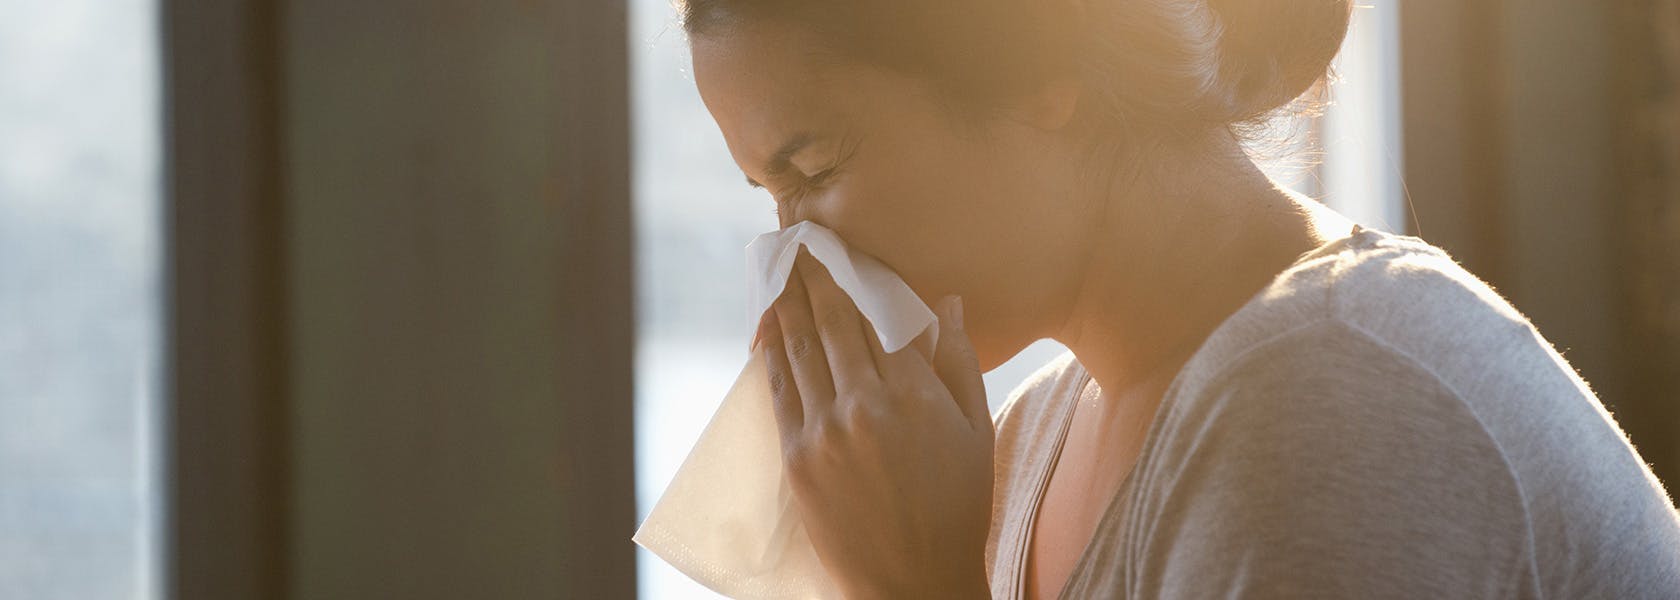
{"points": [[763, 82]]}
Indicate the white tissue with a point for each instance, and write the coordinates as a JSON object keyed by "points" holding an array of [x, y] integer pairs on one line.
{"points": [[898, 315], [728, 518]]}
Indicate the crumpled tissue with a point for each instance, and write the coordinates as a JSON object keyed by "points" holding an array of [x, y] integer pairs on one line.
{"points": [[728, 518]]}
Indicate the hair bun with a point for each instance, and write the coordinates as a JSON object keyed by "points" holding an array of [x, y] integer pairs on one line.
{"points": [[1273, 51]]}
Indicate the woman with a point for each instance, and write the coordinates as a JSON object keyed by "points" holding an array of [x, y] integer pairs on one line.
{"points": [[1262, 399]]}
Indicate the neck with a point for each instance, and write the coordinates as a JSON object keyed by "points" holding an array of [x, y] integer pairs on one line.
{"points": [[1173, 253]]}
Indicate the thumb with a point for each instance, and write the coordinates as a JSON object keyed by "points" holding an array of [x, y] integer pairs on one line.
{"points": [[958, 366]]}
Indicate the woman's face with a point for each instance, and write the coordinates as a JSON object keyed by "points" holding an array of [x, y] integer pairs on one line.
{"points": [[980, 210]]}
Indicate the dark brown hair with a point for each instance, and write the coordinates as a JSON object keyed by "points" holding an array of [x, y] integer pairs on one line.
{"points": [[1142, 63]]}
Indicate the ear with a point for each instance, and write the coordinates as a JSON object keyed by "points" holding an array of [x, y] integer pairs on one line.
{"points": [[1049, 108]]}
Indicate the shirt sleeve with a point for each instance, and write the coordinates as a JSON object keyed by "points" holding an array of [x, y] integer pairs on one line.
{"points": [[1328, 465]]}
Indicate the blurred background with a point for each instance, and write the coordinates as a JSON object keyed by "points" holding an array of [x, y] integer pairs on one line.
{"points": [[339, 299]]}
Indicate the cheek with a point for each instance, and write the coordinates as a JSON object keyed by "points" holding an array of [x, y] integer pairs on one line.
{"points": [[891, 218], [965, 223], [921, 217]]}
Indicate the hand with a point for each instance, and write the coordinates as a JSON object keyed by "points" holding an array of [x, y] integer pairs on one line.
{"points": [[889, 455]]}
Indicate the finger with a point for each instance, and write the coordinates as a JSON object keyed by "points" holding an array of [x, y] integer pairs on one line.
{"points": [[804, 349], [790, 414], [959, 367], [839, 326], [904, 369]]}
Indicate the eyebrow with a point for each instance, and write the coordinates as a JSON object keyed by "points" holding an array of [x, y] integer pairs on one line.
{"points": [[779, 161]]}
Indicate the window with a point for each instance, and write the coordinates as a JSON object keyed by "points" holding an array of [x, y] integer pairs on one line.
{"points": [[1360, 132], [1350, 157], [79, 300], [694, 216]]}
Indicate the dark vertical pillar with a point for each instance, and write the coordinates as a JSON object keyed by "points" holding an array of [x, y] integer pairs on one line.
{"points": [[458, 218], [596, 298], [1647, 224], [400, 299], [226, 529]]}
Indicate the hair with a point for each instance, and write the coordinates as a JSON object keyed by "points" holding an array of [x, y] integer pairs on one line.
{"points": [[1142, 64]]}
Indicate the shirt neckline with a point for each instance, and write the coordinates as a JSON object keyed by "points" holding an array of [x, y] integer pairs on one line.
{"points": [[1044, 472]]}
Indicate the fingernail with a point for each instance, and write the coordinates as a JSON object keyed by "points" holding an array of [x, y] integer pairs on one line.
{"points": [[957, 311]]}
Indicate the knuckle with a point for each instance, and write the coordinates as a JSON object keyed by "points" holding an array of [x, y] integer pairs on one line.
{"points": [[926, 396], [834, 320], [770, 343], [822, 432], [796, 464], [780, 384], [898, 390], [800, 346], [939, 394], [827, 441], [861, 415], [866, 388], [794, 458]]}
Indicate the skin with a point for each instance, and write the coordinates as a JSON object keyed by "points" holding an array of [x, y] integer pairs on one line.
{"points": [[890, 455]]}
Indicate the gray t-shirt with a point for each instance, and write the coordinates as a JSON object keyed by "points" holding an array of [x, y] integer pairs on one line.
{"points": [[1376, 423]]}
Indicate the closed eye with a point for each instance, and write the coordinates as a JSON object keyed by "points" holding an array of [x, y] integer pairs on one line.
{"points": [[817, 180]]}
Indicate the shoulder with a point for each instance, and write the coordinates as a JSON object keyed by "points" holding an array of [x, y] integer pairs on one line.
{"points": [[1327, 382], [1322, 461], [1403, 295], [1389, 285], [1410, 295], [1331, 391], [1330, 377]]}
